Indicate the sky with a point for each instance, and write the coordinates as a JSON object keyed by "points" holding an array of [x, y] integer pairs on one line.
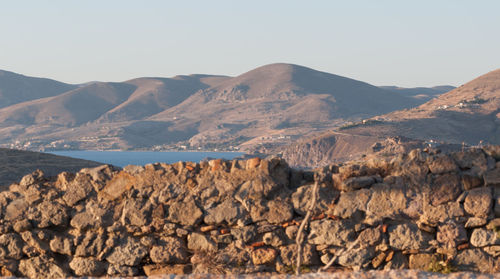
{"points": [[384, 42]]}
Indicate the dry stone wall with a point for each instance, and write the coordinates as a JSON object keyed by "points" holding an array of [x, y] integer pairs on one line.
{"points": [[421, 210]]}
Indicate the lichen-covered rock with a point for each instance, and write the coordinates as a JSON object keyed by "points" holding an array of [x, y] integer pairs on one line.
{"points": [[386, 202], [50, 213], [91, 244], [122, 270], [473, 260], [16, 210], [445, 188], [263, 256], [356, 258], [492, 178], [422, 261], [77, 189], [352, 204], [87, 267], [273, 211], [136, 212], [356, 183], [62, 245], [13, 245], [408, 237], [433, 215], [302, 197], [330, 232], [442, 164], [451, 235]]}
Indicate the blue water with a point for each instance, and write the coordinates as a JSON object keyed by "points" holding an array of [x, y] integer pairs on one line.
{"points": [[123, 158]]}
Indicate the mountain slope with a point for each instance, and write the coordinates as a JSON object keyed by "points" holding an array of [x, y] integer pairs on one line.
{"points": [[15, 88], [468, 114], [420, 93]]}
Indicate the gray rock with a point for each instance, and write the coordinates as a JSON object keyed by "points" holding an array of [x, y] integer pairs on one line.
{"points": [[386, 202], [200, 242], [451, 235], [275, 238], [41, 267], [62, 245], [442, 213], [398, 261], [331, 232], [78, 189], [356, 257], [473, 260], [302, 197], [49, 214], [137, 212], [87, 267], [356, 183], [274, 212], [422, 261], [471, 180], [445, 188], [351, 204], [289, 255], [369, 237], [122, 270], [408, 237], [13, 244], [228, 212], [186, 213], [492, 178], [471, 159], [474, 222], [478, 202], [169, 250], [91, 245], [482, 237], [442, 164], [245, 233], [129, 252], [493, 151], [16, 210]]}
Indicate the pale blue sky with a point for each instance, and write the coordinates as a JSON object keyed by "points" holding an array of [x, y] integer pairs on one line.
{"points": [[397, 42]]}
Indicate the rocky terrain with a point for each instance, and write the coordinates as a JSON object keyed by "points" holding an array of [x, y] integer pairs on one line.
{"points": [[14, 164], [469, 114], [422, 210], [265, 107]]}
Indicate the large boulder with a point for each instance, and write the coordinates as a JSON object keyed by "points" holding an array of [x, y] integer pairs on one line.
{"points": [[408, 237], [331, 232], [128, 252]]}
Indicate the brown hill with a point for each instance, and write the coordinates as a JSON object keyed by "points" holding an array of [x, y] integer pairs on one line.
{"points": [[16, 88], [14, 164], [468, 114]]}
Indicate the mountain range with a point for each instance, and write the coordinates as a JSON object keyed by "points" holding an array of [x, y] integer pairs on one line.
{"points": [[467, 115], [266, 107]]}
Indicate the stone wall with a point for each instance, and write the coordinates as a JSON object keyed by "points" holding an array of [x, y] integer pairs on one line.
{"points": [[417, 210]]}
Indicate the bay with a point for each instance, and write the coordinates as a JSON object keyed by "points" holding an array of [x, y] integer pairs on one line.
{"points": [[123, 158]]}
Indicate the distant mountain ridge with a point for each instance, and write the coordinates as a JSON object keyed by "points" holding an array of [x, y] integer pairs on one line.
{"points": [[272, 104]]}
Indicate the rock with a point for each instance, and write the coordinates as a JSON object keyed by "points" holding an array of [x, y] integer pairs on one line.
{"points": [[274, 212], [422, 261], [471, 159], [78, 189], [62, 245], [492, 250], [13, 244], [22, 226], [199, 242], [302, 197], [492, 178], [245, 234], [369, 237], [356, 257], [16, 210], [136, 212], [482, 237], [186, 213], [408, 237], [120, 183], [386, 202], [178, 269], [128, 252], [356, 183], [496, 206], [228, 213], [478, 202], [442, 213], [263, 256], [275, 238], [289, 255], [352, 204], [257, 188], [474, 222], [493, 151], [442, 164], [473, 260], [122, 270], [445, 188], [87, 267], [169, 251], [252, 163], [471, 181], [51, 214], [397, 261], [41, 267], [451, 235], [330, 232], [91, 245]]}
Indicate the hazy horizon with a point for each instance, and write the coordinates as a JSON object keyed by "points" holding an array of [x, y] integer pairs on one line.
{"points": [[397, 43]]}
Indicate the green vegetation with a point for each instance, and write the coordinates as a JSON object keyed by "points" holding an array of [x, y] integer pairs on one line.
{"points": [[441, 266]]}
